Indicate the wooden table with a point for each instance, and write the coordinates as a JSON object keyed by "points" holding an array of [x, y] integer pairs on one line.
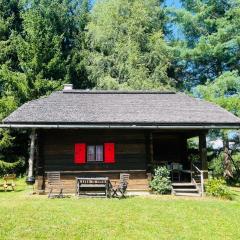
{"points": [[93, 186]]}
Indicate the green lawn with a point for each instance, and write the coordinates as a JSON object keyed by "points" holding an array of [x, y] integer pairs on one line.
{"points": [[154, 217]]}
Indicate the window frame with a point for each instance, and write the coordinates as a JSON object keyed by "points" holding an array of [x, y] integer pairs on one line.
{"points": [[95, 146]]}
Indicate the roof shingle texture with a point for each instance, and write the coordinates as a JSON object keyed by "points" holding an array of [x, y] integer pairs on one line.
{"points": [[78, 107]]}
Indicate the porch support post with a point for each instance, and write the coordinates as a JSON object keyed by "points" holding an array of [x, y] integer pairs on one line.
{"points": [[203, 153], [149, 154], [31, 155], [151, 147]]}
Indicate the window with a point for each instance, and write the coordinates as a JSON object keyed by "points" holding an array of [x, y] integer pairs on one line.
{"points": [[99, 153], [91, 153], [95, 153]]}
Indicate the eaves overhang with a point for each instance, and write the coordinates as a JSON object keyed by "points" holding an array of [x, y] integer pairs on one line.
{"points": [[122, 126]]}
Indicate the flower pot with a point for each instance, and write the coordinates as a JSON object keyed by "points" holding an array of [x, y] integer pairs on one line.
{"points": [[30, 180]]}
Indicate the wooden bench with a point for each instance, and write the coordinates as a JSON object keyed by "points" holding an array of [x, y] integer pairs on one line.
{"points": [[93, 186], [9, 181]]}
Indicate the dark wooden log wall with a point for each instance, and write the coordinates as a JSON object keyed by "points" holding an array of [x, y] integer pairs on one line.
{"points": [[57, 149], [134, 150], [169, 147]]}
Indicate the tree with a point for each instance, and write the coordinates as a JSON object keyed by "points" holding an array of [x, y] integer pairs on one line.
{"points": [[10, 24], [77, 73], [206, 59], [211, 43], [224, 91], [42, 45], [126, 47], [51, 44], [13, 85]]}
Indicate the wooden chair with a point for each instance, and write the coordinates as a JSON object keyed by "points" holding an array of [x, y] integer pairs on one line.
{"points": [[54, 182], [9, 181], [122, 187], [176, 171]]}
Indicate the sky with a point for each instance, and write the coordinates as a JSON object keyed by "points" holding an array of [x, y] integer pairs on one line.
{"points": [[173, 3]]}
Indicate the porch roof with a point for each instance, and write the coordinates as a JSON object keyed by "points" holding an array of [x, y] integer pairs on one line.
{"points": [[147, 109]]}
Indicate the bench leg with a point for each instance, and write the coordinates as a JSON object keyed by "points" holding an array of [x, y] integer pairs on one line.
{"points": [[61, 193], [107, 192], [122, 193], [115, 194], [50, 193]]}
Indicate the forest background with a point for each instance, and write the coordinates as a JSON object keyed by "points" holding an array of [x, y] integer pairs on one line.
{"points": [[192, 46]]}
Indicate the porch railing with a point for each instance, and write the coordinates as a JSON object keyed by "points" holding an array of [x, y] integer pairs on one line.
{"points": [[196, 172]]}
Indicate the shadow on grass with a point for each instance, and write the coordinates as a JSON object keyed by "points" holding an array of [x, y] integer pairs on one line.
{"points": [[103, 197], [13, 191], [57, 197], [124, 198], [235, 196]]}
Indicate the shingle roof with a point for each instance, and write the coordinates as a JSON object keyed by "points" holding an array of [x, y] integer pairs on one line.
{"points": [[116, 107]]}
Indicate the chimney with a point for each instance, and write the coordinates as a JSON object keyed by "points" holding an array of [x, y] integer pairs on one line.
{"points": [[67, 87]]}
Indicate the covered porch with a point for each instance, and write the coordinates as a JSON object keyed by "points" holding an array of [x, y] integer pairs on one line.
{"points": [[184, 153]]}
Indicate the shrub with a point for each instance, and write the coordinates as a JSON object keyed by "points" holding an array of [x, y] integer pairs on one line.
{"points": [[7, 167], [161, 181], [217, 167], [218, 188]]}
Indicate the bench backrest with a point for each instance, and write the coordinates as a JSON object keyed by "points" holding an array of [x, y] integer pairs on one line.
{"points": [[92, 181], [54, 178], [9, 177], [124, 178]]}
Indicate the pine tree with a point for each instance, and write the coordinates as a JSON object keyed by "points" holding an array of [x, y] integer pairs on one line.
{"points": [[126, 47], [211, 43]]}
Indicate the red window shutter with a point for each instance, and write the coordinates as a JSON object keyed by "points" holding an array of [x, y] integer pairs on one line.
{"points": [[80, 153], [109, 153]]}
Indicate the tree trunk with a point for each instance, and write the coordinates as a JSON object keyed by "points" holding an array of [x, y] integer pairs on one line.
{"points": [[227, 161]]}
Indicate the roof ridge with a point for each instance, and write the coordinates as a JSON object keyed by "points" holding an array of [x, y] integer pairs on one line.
{"points": [[83, 91]]}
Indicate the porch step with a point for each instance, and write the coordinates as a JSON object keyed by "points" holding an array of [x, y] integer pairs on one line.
{"points": [[183, 184], [185, 189], [188, 194]]}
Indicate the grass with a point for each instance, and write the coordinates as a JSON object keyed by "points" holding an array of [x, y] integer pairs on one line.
{"points": [[154, 217]]}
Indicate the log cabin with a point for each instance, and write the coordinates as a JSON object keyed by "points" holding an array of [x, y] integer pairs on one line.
{"points": [[105, 133]]}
